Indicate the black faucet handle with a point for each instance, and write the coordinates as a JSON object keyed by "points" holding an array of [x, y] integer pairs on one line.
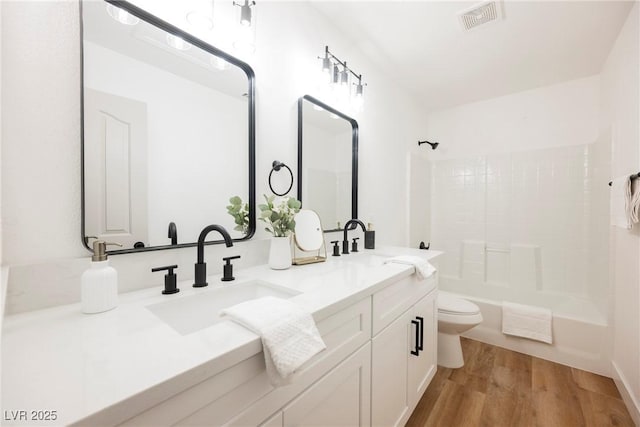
{"points": [[227, 268], [170, 279], [170, 268], [354, 244], [336, 248]]}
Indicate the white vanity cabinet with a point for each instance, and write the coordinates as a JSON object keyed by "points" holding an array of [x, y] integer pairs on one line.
{"points": [[366, 376], [243, 396], [423, 367], [404, 351], [340, 398]]}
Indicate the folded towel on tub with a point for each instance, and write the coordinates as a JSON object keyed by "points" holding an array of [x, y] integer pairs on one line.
{"points": [[527, 321]]}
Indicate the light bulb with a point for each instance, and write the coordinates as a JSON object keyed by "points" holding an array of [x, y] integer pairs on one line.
{"points": [[358, 102], [326, 65], [245, 14], [121, 15], [219, 63], [177, 43], [344, 77]]}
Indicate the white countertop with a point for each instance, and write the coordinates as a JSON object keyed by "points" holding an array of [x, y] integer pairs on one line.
{"points": [[117, 362]]}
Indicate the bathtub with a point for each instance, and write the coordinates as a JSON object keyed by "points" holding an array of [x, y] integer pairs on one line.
{"points": [[581, 337]]}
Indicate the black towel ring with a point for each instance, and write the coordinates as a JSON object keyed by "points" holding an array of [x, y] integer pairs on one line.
{"points": [[276, 166]]}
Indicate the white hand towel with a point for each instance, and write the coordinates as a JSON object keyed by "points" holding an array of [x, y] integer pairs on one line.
{"points": [[289, 334], [423, 268], [620, 202], [634, 204], [527, 321]]}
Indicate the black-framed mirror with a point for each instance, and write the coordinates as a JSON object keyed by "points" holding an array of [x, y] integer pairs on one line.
{"points": [[327, 162], [168, 132]]}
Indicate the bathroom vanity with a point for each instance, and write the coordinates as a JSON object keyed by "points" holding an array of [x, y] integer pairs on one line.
{"points": [[144, 364]]}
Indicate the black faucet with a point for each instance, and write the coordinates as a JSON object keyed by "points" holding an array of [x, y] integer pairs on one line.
{"points": [[173, 233], [201, 266], [345, 241]]}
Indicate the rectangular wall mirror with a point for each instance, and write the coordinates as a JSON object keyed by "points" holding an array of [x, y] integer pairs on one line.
{"points": [[168, 131], [327, 162]]}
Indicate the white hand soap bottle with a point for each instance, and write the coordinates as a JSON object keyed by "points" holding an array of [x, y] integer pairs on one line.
{"points": [[100, 282]]}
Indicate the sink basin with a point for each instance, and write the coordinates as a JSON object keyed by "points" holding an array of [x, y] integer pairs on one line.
{"points": [[195, 312]]}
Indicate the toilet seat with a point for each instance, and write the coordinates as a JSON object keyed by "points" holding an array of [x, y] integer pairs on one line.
{"points": [[450, 304]]}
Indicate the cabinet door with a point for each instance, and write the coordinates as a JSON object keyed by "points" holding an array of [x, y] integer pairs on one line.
{"points": [[340, 398], [389, 390], [423, 367]]}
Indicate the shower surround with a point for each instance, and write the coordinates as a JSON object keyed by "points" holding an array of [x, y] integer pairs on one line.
{"points": [[528, 227]]}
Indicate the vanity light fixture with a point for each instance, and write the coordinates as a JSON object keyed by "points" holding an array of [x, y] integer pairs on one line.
{"points": [[331, 64], [245, 12], [121, 15]]}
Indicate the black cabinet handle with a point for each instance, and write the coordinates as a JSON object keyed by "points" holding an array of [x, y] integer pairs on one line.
{"points": [[416, 352], [421, 344]]}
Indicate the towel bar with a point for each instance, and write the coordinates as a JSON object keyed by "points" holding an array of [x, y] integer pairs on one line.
{"points": [[634, 176]]}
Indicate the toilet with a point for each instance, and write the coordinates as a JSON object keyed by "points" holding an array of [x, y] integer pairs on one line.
{"points": [[455, 316]]}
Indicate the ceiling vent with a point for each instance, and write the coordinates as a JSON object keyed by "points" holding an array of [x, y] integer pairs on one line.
{"points": [[480, 15]]}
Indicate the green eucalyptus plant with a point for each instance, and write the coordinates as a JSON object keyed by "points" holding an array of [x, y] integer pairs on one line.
{"points": [[279, 217], [240, 213]]}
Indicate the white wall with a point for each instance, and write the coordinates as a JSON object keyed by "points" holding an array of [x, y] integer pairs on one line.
{"points": [[41, 143], [620, 112], [552, 116], [2, 293]]}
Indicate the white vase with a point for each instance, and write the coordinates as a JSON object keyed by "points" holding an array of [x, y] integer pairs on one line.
{"points": [[280, 253]]}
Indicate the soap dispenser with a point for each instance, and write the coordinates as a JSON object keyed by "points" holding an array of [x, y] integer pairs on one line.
{"points": [[370, 237], [100, 282]]}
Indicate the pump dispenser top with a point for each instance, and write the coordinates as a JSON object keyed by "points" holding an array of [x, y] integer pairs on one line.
{"points": [[100, 249]]}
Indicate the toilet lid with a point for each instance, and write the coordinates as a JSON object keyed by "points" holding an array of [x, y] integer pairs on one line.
{"points": [[448, 303]]}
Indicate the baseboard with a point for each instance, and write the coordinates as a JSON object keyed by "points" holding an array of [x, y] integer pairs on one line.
{"points": [[631, 401]]}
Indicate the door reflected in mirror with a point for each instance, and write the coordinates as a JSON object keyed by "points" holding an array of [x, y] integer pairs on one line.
{"points": [[327, 157], [168, 132]]}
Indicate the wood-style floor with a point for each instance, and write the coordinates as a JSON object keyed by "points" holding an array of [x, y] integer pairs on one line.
{"points": [[499, 387]]}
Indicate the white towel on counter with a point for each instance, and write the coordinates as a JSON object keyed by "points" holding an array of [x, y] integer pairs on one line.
{"points": [[527, 321], [621, 202], [289, 334], [423, 268]]}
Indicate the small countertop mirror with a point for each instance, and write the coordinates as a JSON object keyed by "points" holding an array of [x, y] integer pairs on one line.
{"points": [[327, 162], [168, 131], [309, 246]]}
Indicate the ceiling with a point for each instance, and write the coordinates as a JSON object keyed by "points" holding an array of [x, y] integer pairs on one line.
{"points": [[421, 44]]}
